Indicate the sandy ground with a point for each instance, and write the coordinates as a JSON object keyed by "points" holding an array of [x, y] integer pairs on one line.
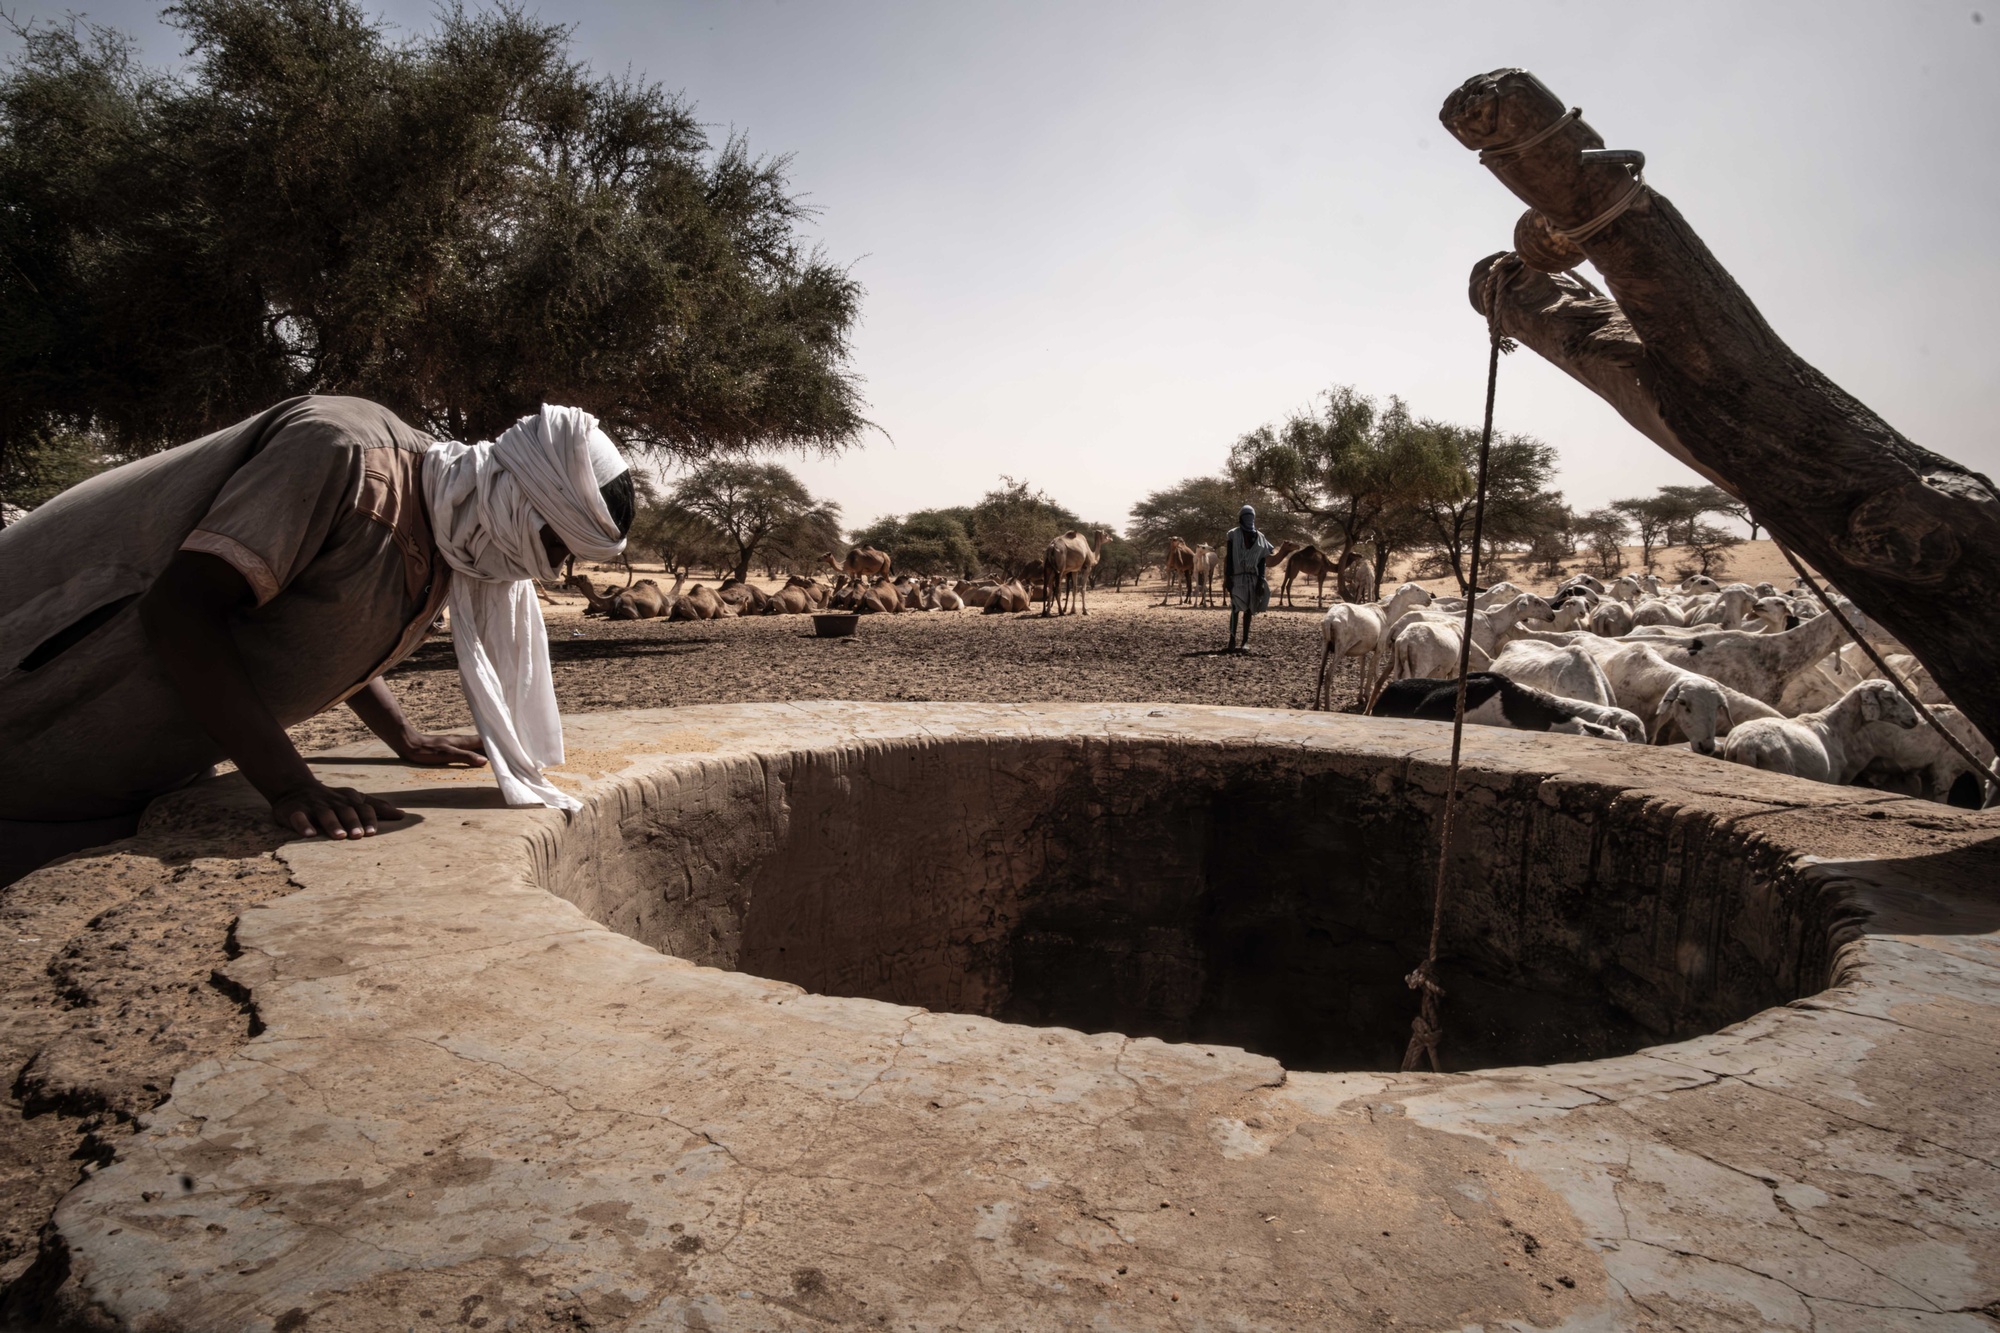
{"points": [[1752, 562]]}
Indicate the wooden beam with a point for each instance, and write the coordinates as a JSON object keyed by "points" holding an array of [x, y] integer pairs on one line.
{"points": [[1684, 355]]}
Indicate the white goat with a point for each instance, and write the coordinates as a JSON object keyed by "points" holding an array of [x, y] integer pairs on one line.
{"points": [[1352, 629], [1647, 684], [1567, 672], [1920, 762], [1831, 745], [1430, 648]]}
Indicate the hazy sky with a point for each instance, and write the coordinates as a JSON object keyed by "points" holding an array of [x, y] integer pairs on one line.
{"points": [[1101, 240]]}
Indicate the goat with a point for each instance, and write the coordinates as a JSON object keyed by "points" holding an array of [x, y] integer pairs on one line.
{"points": [[1492, 700], [1430, 648], [1645, 683], [1566, 672], [1831, 745]]}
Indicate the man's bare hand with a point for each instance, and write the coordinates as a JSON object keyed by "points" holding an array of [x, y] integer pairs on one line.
{"points": [[338, 812], [434, 751]]}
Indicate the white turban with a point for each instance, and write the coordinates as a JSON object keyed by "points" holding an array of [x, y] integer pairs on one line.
{"points": [[488, 503]]}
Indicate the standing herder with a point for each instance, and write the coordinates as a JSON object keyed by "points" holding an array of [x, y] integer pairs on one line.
{"points": [[1243, 557]]}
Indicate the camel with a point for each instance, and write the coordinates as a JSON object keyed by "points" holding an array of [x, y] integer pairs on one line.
{"points": [[1008, 597], [1314, 563], [747, 600], [1357, 579], [879, 598], [644, 600], [1180, 568], [699, 603], [788, 601], [862, 561], [1068, 556], [1207, 564]]}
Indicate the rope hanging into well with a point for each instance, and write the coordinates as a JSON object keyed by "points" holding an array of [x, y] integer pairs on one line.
{"points": [[1986, 775], [1427, 1028]]}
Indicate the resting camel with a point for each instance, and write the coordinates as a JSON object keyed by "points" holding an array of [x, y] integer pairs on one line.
{"points": [[1068, 556], [1008, 597], [698, 603], [747, 600], [644, 600], [1180, 569], [862, 561]]}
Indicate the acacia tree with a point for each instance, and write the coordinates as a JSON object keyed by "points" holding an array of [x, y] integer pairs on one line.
{"points": [[1014, 523], [459, 225], [1519, 504], [1201, 509], [1603, 532], [1343, 466], [750, 504], [1649, 518], [930, 541]]}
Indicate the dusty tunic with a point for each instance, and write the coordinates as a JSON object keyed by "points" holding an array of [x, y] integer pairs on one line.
{"points": [[317, 502], [1245, 571]]}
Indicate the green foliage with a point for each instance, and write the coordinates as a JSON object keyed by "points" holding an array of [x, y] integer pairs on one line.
{"points": [[930, 541], [1603, 532], [1202, 509], [1708, 548], [1346, 465], [752, 505], [42, 466], [1014, 523], [458, 225], [1120, 561], [1669, 516], [678, 538], [1520, 507]]}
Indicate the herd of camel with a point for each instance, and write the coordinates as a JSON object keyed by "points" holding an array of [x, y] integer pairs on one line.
{"points": [[863, 584], [1193, 570]]}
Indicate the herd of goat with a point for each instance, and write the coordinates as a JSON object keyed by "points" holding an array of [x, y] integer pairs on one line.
{"points": [[1753, 675], [1747, 674]]}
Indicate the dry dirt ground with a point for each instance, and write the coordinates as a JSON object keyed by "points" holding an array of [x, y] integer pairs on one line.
{"points": [[109, 986], [1128, 648]]}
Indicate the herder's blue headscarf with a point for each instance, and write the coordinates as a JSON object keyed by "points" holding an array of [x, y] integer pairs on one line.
{"points": [[1246, 519]]}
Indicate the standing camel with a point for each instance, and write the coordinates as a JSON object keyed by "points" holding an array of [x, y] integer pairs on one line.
{"points": [[1207, 561], [1068, 556], [1315, 564], [1180, 569], [862, 561]]}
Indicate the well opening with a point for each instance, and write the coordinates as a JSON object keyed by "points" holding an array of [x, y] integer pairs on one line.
{"points": [[1268, 897]]}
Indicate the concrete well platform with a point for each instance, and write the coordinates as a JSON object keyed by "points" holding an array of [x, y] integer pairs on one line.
{"points": [[521, 1070]]}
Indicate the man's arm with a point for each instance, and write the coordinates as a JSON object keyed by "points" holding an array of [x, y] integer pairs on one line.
{"points": [[375, 704], [186, 616]]}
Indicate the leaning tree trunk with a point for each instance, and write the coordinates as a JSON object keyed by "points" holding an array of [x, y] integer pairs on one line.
{"points": [[1681, 353]]}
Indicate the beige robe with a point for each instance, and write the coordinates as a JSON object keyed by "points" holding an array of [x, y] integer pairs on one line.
{"points": [[317, 502]]}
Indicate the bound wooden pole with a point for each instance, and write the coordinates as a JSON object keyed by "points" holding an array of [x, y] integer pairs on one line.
{"points": [[1911, 536]]}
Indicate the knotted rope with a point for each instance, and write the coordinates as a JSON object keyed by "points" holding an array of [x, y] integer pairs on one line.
{"points": [[1986, 774], [1427, 1028]]}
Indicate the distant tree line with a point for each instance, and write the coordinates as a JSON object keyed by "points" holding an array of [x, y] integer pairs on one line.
{"points": [[461, 225], [1357, 476]]}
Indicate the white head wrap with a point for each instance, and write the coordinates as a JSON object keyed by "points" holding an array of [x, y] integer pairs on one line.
{"points": [[488, 503]]}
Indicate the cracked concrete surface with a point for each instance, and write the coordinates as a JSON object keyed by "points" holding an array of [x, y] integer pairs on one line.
{"points": [[473, 1104]]}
